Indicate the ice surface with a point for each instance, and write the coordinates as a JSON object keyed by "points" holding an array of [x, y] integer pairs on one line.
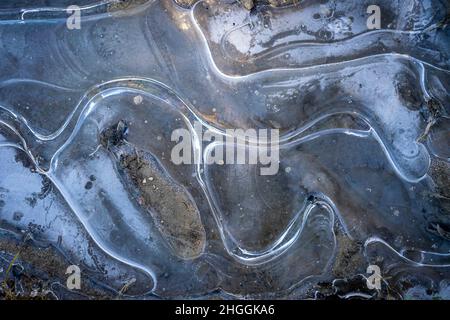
{"points": [[364, 145]]}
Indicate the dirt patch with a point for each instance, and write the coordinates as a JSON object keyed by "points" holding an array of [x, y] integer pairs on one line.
{"points": [[170, 205], [349, 258], [432, 112], [247, 4], [124, 4], [35, 272], [440, 173], [173, 211]]}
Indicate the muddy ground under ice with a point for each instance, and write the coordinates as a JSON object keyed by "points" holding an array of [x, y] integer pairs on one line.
{"points": [[93, 205]]}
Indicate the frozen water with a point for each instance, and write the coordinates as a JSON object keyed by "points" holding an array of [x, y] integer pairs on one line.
{"points": [[364, 145]]}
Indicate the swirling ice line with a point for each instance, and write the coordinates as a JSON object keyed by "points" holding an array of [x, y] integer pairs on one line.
{"points": [[374, 240], [87, 105], [85, 224], [281, 244], [271, 252], [256, 74], [262, 257], [287, 138], [277, 247], [84, 10], [56, 9], [99, 90], [278, 49], [13, 81]]}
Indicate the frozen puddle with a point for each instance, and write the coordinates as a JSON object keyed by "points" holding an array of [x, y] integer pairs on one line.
{"points": [[87, 121]]}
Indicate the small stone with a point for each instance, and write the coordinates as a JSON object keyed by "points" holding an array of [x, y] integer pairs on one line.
{"points": [[248, 4]]}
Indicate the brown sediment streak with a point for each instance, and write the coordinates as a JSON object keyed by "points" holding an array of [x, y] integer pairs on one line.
{"points": [[174, 212]]}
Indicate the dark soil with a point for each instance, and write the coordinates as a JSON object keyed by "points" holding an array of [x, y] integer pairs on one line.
{"points": [[170, 205]]}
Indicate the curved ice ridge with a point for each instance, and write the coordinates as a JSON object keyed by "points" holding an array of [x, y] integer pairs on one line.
{"points": [[118, 86], [284, 47], [95, 10]]}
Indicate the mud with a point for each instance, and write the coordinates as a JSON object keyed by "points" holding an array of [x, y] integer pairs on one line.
{"points": [[174, 213], [39, 273], [172, 209], [247, 4], [349, 257], [124, 4], [440, 173]]}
